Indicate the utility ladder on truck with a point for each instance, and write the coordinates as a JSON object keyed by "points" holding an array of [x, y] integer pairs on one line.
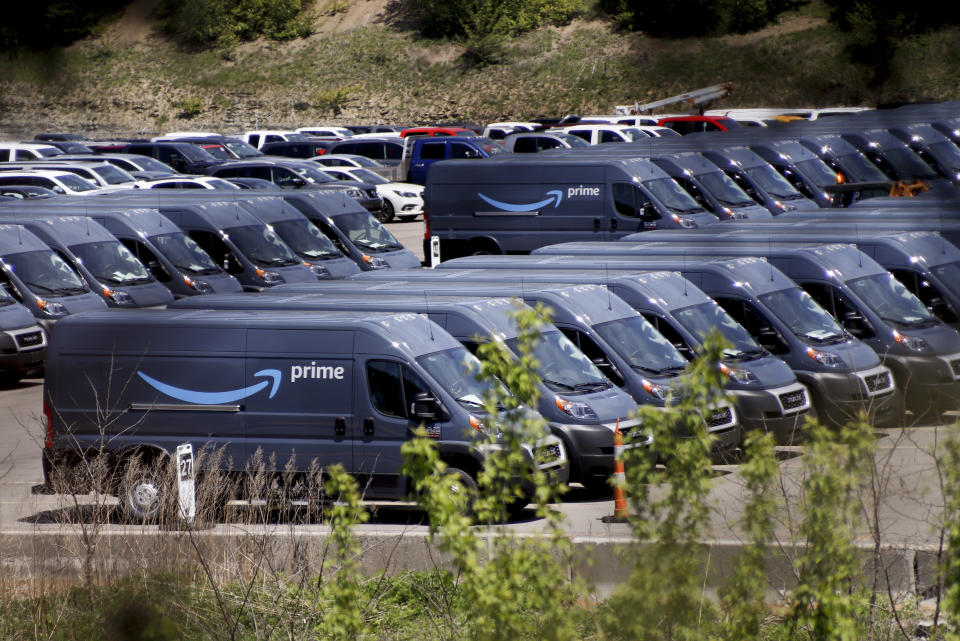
{"points": [[697, 98]]}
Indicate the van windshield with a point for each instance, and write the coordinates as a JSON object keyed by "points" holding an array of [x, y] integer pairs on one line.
{"points": [[563, 367], [305, 239], [947, 152], [185, 254], [891, 301], [706, 317], [770, 181], [45, 273], [261, 245], [817, 171], [638, 343], [803, 316], [673, 196], [860, 168], [908, 164], [366, 232], [456, 370], [111, 262], [722, 187]]}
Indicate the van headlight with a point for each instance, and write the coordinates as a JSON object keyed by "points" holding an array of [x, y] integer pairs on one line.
{"points": [[654, 390], [914, 343], [375, 262], [739, 374], [200, 286], [117, 296], [270, 278], [481, 426], [319, 271], [576, 409], [827, 359], [51, 308], [686, 223]]}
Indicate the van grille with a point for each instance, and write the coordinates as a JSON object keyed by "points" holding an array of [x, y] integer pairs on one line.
{"points": [[955, 366], [720, 417], [793, 400], [29, 340], [882, 381], [549, 453]]}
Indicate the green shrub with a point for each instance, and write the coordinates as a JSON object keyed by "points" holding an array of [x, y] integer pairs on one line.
{"points": [[190, 107], [693, 18], [479, 18], [226, 23]]}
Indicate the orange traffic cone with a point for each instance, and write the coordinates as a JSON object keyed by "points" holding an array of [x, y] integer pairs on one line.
{"points": [[619, 480]]}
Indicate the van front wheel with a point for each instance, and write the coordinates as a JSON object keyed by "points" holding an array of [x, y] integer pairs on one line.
{"points": [[142, 492], [463, 484]]}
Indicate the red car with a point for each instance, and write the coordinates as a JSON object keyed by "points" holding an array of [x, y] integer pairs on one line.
{"points": [[437, 131], [693, 124]]}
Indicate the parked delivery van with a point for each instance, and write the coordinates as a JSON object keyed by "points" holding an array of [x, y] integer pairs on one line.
{"points": [[297, 388]]}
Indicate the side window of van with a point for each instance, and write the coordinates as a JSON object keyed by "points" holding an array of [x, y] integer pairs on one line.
{"points": [[9, 286], [393, 386], [833, 300], [592, 351], [931, 297], [671, 334], [756, 323], [218, 250], [631, 202], [148, 258]]}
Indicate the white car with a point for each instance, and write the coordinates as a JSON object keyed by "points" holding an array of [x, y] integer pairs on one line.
{"points": [[190, 182], [61, 182], [499, 130], [102, 174], [331, 132], [13, 151], [599, 134], [403, 200], [354, 160]]}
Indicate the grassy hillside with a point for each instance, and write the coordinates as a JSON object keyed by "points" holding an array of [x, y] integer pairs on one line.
{"points": [[363, 65]]}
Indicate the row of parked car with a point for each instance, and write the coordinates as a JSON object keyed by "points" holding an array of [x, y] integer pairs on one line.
{"points": [[828, 312]]}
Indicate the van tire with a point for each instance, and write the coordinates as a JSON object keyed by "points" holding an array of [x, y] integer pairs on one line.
{"points": [[386, 213], [483, 248], [143, 491], [464, 483]]}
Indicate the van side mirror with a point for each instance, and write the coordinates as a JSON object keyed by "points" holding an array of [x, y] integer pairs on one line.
{"points": [[298, 182], [425, 407]]}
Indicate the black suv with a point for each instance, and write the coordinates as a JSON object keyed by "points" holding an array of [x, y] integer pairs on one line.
{"points": [[297, 148], [300, 174], [184, 157]]}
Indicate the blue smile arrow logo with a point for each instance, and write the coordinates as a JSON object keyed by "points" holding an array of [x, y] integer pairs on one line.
{"points": [[215, 398], [555, 196]]}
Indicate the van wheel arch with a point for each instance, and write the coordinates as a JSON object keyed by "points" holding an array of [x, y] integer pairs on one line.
{"points": [[143, 484], [483, 247]]}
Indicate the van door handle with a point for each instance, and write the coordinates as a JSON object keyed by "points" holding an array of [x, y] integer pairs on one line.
{"points": [[596, 224], [340, 426], [368, 427]]}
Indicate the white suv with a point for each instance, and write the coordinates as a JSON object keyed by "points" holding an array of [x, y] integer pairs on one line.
{"points": [[598, 134], [13, 151], [61, 182]]}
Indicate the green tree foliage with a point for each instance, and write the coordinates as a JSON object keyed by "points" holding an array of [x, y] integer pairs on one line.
{"points": [[950, 564], [697, 18], [52, 23], [481, 18], [226, 23]]}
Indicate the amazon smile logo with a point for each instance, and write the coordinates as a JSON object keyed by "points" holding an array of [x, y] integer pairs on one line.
{"points": [[553, 197], [216, 398]]}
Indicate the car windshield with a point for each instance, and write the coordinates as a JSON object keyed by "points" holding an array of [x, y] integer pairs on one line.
{"points": [[305, 239], [242, 149], [722, 187], [113, 175], [76, 183], [367, 176], [638, 343], [772, 182], [185, 254], [194, 153], [635, 135], [707, 317], [217, 151], [261, 245], [490, 146], [860, 168], [146, 163], [673, 196], [316, 175], [891, 301], [803, 316], [112, 263], [366, 232], [363, 161], [44, 273], [47, 152], [562, 366], [456, 370], [817, 171], [570, 139]]}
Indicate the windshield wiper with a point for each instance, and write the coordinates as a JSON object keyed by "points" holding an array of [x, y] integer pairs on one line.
{"points": [[558, 384], [32, 285], [594, 385]]}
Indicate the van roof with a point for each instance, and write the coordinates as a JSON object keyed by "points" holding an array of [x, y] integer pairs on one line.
{"points": [[70, 230], [16, 239]]}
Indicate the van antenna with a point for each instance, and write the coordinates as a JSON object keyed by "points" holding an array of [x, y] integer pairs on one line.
{"points": [[769, 252], [606, 276], [19, 235], [426, 305]]}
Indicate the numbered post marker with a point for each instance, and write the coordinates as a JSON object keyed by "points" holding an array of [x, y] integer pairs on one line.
{"points": [[186, 490]]}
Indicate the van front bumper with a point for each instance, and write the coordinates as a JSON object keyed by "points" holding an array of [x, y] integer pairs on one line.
{"points": [[841, 396], [590, 448], [780, 410], [930, 383]]}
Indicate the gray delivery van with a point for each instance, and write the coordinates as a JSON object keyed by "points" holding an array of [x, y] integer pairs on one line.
{"points": [[682, 313], [297, 388], [843, 374], [98, 257], [40, 280], [564, 370], [514, 203], [865, 299]]}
